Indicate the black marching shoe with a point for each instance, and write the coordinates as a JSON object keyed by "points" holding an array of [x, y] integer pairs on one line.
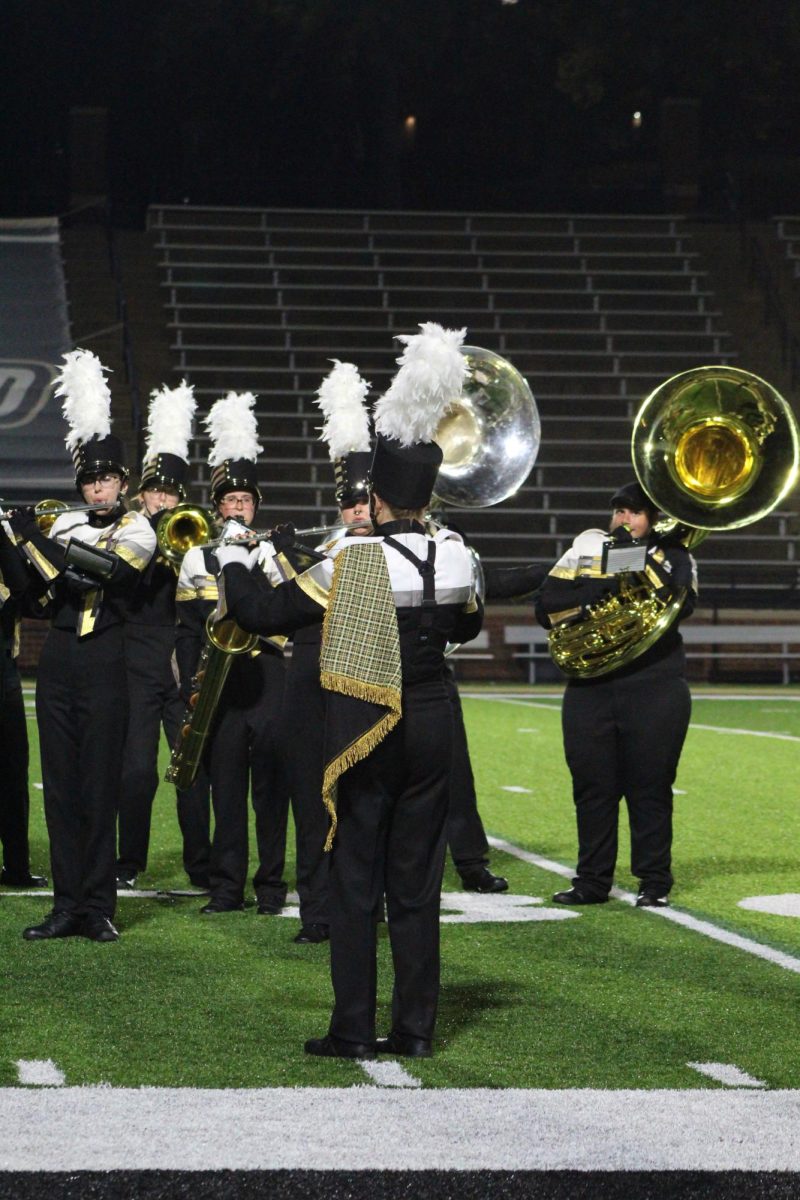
{"points": [[312, 933], [652, 898], [221, 906], [55, 925], [404, 1044], [333, 1047], [98, 928], [574, 895], [126, 880], [268, 908], [481, 879], [25, 880]]}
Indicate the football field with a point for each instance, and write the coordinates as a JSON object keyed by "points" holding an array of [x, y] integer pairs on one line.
{"points": [[604, 1039]]}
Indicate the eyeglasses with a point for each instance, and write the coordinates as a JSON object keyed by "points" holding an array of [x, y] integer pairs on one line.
{"points": [[109, 477]]}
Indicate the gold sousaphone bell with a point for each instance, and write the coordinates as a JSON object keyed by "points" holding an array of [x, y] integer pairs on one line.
{"points": [[715, 448]]}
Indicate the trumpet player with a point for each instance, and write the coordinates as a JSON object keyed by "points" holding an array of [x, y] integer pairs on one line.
{"points": [[89, 566], [624, 730], [153, 693], [244, 751]]}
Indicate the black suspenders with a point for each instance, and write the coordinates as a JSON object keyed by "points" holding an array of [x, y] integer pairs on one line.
{"points": [[427, 572]]}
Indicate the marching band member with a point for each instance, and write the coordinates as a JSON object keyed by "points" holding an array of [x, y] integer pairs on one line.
{"points": [[623, 731], [341, 399], [244, 749], [149, 645], [390, 603], [14, 750], [90, 564]]}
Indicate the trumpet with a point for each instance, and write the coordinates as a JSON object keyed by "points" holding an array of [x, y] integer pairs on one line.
{"points": [[180, 529], [47, 511]]}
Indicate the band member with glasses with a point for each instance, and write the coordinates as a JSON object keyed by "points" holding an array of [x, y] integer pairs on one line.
{"points": [[90, 566]]}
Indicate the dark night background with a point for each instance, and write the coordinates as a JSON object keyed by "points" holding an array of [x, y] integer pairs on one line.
{"points": [[524, 106]]}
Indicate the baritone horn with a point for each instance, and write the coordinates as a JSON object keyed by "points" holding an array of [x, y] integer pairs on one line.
{"points": [[715, 448]]}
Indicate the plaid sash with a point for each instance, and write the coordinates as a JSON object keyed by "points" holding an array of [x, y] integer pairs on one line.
{"points": [[359, 664]]}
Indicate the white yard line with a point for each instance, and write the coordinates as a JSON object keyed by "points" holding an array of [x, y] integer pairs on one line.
{"points": [[788, 961], [728, 1074], [389, 1074], [781, 737], [40, 1072], [190, 1129]]}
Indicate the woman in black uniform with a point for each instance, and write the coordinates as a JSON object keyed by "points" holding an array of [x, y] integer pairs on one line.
{"points": [[623, 731]]}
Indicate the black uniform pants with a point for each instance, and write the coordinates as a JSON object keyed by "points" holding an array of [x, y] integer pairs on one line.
{"points": [[244, 753], [154, 702], [82, 710], [302, 736], [392, 811], [466, 836], [623, 737], [14, 793]]}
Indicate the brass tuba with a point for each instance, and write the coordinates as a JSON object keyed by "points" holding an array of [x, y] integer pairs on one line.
{"points": [[714, 448], [490, 434]]}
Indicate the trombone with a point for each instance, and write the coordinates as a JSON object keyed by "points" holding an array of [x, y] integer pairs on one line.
{"points": [[46, 512]]}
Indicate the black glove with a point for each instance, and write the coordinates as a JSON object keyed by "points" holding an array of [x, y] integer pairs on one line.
{"points": [[622, 534], [283, 537], [23, 522]]}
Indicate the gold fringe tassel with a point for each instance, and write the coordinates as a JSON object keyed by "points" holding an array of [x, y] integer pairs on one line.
{"points": [[354, 753]]}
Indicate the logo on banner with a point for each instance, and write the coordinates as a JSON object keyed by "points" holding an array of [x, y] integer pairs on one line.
{"points": [[25, 388]]}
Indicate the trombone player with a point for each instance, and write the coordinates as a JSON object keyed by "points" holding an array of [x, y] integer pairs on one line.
{"points": [[623, 730], [149, 646]]}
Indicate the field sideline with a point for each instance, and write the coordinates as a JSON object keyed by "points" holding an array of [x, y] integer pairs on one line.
{"points": [[561, 1034]]}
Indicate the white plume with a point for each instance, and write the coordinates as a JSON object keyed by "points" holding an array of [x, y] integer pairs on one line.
{"points": [[233, 428], [431, 376], [169, 420], [87, 399], [341, 399]]}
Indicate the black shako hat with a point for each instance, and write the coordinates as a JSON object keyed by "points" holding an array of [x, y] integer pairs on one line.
{"points": [[633, 496], [98, 455], [165, 470], [235, 475], [351, 473], [404, 476]]}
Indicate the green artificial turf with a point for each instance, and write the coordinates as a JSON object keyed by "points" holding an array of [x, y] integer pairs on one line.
{"points": [[614, 997]]}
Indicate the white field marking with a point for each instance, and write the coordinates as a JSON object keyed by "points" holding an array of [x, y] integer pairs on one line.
{"points": [[699, 696], [728, 1074], [41, 1072], [458, 1129], [786, 905], [678, 792], [787, 961], [525, 703], [513, 787], [781, 737], [467, 908], [527, 730], [388, 1074], [39, 787]]}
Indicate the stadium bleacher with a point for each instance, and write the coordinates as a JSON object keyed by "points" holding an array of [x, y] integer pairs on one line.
{"points": [[595, 310]]}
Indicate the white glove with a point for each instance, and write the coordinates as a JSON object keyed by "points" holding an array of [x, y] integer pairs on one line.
{"points": [[233, 554]]}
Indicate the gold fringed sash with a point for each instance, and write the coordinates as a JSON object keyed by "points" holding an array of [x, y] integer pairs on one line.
{"points": [[360, 657]]}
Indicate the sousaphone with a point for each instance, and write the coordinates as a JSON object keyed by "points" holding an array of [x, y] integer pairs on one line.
{"points": [[715, 448]]}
